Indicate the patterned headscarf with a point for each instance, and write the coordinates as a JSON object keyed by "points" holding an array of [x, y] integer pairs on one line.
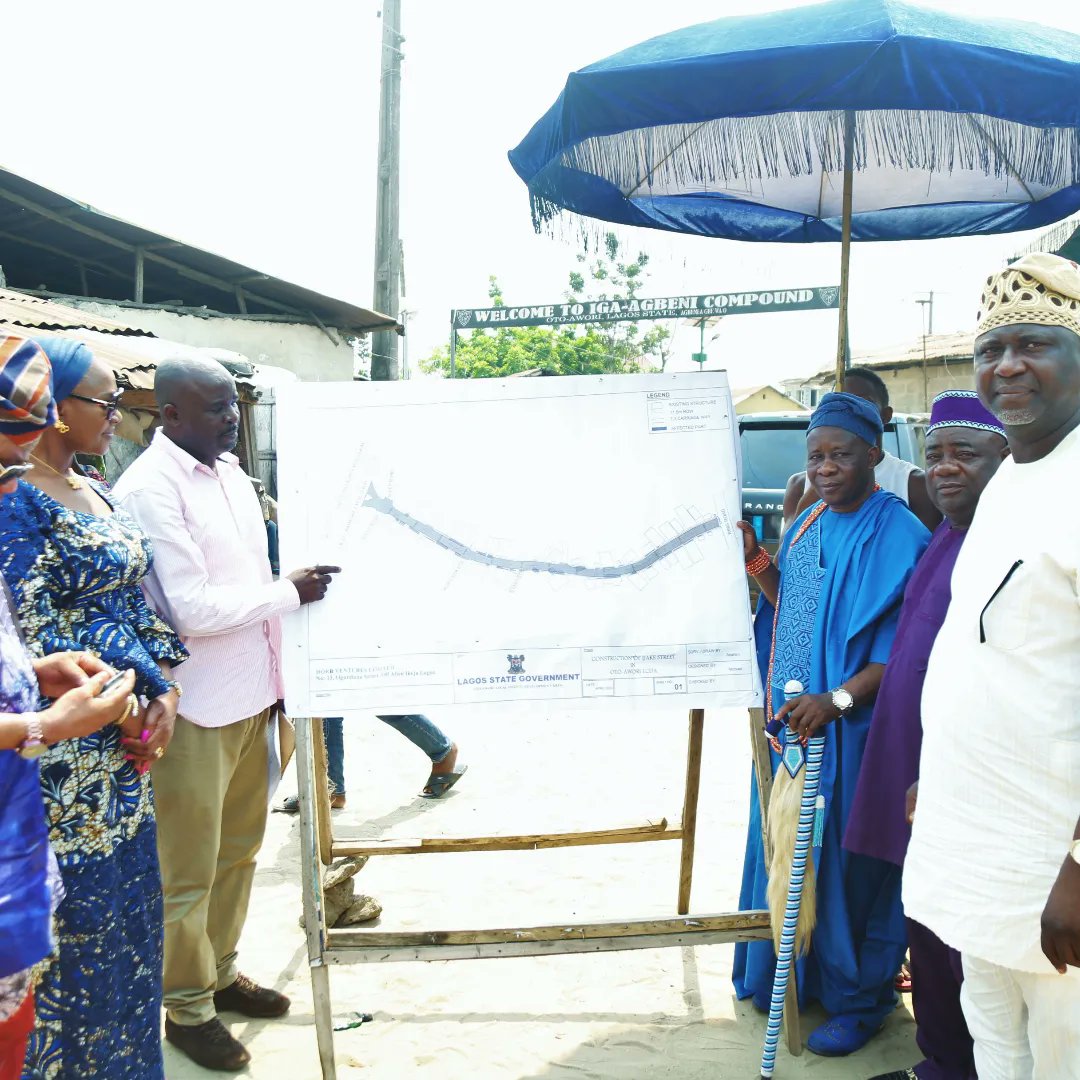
{"points": [[70, 361], [1039, 288], [26, 404]]}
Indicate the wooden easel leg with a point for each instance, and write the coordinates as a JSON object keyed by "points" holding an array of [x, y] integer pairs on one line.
{"points": [[324, 1021], [690, 805], [792, 1022], [322, 796], [763, 779], [311, 890]]}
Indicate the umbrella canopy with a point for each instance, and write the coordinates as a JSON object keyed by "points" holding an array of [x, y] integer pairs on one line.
{"points": [[741, 128]]}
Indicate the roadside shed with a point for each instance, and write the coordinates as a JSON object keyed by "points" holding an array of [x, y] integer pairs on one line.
{"points": [[59, 248], [914, 373], [133, 354]]}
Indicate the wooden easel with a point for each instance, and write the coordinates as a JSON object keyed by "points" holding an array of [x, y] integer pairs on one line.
{"points": [[326, 946]]}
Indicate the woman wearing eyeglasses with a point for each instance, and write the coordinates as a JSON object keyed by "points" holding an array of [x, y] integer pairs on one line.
{"points": [[74, 564]]}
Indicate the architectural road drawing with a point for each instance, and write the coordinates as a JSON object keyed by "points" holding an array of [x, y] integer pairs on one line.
{"points": [[567, 542], [383, 505]]}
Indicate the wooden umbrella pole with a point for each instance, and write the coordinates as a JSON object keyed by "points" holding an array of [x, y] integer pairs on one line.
{"points": [[845, 249]]}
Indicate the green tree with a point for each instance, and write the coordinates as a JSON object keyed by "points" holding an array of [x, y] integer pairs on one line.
{"points": [[595, 349], [612, 278]]}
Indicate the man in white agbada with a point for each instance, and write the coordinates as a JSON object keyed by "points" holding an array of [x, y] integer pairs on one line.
{"points": [[994, 863]]}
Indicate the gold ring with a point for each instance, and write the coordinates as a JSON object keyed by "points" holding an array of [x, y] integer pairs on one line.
{"points": [[159, 752]]}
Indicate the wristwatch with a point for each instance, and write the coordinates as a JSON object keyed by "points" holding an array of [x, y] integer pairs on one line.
{"points": [[1074, 851], [842, 701], [33, 745]]}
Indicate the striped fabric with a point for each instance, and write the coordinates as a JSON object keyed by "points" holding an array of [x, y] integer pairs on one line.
{"points": [[211, 579], [26, 405]]}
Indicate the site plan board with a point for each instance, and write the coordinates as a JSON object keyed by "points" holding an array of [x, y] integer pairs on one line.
{"points": [[565, 540]]}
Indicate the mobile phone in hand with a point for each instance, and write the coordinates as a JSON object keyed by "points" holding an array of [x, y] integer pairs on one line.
{"points": [[112, 683], [13, 472]]}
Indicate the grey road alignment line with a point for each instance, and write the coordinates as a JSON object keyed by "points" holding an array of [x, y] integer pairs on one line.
{"points": [[384, 506]]}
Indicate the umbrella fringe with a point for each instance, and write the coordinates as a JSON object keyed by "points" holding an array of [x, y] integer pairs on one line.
{"points": [[588, 234], [733, 151]]}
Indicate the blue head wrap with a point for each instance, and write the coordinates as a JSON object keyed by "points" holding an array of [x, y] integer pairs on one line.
{"points": [[850, 413], [70, 361]]}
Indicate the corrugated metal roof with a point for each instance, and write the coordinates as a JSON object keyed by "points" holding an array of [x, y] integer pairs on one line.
{"points": [[55, 243], [956, 346], [936, 346], [132, 354], [34, 313], [133, 359]]}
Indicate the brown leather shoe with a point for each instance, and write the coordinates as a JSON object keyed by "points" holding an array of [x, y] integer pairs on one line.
{"points": [[248, 997], [209, 1045], [337, 802]]}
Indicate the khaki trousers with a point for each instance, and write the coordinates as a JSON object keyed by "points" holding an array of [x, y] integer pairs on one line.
{"points": [[211, 797]]}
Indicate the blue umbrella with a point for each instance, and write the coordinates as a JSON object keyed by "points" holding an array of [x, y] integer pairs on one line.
{"points": [[851, 120]]}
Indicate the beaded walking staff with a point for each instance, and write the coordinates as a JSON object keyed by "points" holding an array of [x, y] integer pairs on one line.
{"points": [[799, 919], [807, 835]]}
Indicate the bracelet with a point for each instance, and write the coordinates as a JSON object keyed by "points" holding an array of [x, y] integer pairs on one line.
{"points": [[132, 707], [172, 684], [759, 563]]}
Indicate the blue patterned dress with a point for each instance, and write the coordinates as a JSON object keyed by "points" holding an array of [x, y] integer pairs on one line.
{"points": [[75, 581]]}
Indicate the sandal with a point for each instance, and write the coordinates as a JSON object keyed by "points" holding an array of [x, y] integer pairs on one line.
{"points": [[438, 784]]}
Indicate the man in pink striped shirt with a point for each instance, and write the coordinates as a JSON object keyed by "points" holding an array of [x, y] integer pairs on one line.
{"points": [[211, 580]]}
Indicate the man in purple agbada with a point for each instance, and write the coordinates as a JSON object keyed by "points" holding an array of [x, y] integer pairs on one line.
{"points": [[964, 446]]}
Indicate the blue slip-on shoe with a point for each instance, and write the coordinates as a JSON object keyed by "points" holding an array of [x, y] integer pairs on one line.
{"points": [[840, 1036]]}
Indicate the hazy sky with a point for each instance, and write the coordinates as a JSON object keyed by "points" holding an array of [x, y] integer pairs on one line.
{"points": [[251, 129]]}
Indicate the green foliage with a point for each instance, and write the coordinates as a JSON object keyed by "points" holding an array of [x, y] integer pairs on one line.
{"points": [[595, 349]]}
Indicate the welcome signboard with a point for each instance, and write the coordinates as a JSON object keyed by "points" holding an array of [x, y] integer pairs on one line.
{"points": [[706, 305]]}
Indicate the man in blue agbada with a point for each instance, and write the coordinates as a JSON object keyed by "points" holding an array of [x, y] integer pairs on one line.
{"points": [[832, 601]]}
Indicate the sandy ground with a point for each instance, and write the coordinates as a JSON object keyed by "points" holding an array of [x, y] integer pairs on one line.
{"points": [[652, 1013]]}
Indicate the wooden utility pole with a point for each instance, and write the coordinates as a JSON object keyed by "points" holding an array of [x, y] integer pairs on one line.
{"points": [[384, 345]]}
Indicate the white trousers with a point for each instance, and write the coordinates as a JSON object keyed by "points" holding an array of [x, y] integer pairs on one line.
{"points": [[1025, 1026]]}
